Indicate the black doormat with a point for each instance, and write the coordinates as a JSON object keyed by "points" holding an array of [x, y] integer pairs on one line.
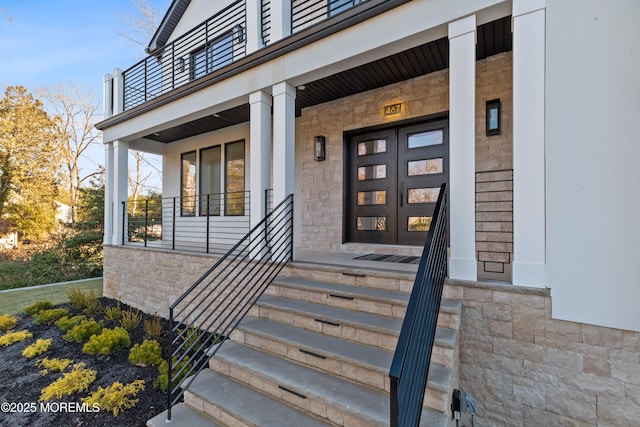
{"points": [[403, 259]]}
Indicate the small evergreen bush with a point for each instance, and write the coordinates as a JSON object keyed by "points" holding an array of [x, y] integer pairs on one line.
{"points": [[153, 328], [130, 319], [66, 323], [162, 382], [145, 354], [37, 307], [113, 313], [76, 297], [13, 337], [52, 365], [82, 332], [77, 380], [109, 341], [37, 348], [115, 398], [49, 316], [7, 322]]}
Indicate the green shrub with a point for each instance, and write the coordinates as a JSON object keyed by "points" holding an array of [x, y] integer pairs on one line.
{"points": [[82, 332], [77, 380], [53, 365], [113, 313], [153, 328], [92, 304], [162, 382], [109, 341], [7, 322], [66, 323], [81, 300], [37, 348], [130, 319], [37, 307], [49, 316], [13, 337], [145, 354], [115, 398]]}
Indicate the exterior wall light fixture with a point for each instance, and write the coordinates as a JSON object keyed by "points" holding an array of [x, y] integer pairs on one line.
{"points": [[319, 148], [493, 117]]}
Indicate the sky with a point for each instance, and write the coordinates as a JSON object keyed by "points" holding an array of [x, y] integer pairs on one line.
{"points": [[46, 42]]}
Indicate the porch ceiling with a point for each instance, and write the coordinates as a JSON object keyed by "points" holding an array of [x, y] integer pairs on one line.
{"points": [[493, 38]]}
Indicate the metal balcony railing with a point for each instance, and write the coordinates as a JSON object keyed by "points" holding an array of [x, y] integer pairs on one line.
{"points": [[305, 13], [213, 44], [210, 223]]}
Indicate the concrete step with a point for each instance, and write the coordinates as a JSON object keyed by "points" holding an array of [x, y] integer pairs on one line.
{"points": [[365, 328], [356, 362], [390, 280], [368, 300], [235, 404], [182, 416], [333, 399]]}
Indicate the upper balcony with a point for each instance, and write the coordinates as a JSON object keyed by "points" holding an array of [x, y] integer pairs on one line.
{"points": [[233, 33]]}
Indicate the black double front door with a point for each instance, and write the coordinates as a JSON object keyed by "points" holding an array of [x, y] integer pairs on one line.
{"points": [[394, 176]]}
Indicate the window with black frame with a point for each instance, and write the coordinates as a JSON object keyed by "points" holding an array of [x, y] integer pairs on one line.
{"points": [[210, 177], [188, 184], [215, 55], [234, 179]]}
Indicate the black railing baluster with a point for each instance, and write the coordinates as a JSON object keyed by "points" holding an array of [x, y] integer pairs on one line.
{"points": [[410, 366]]}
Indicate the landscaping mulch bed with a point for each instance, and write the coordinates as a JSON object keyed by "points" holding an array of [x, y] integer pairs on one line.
{"points": [[21, 381]]}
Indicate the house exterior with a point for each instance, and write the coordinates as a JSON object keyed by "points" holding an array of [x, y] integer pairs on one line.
{"points": [[361, 109]]}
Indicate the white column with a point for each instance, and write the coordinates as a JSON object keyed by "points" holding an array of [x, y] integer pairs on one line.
{"points": [[254, 41], [119, 187], [108, 193], [528, 143], [106, 96], [280, 20], [462, 136], [118, 91], [260, 153], [284, 96]]}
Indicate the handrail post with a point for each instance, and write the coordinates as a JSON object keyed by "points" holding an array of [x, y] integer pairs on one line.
{"points": [[124, 221], [291, 225], [146, 222], [173, 228], [170, 363], [208, 219]]}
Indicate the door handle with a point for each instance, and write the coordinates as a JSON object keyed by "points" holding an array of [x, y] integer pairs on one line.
{"points": [[401, 194]]}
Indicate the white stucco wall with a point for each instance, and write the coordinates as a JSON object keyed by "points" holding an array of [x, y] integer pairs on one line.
{"points": [[196, 13], [593, 161]]}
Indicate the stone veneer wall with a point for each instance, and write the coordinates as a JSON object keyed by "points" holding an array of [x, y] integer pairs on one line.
{"points": [[321, 184], [526, 369], [151, 279]]}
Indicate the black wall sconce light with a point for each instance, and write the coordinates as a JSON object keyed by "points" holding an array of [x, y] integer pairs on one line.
{"points": [[319, 148], [493, 117], [238, 34]]}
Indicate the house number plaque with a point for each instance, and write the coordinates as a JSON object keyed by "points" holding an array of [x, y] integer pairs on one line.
{"points": [[390, 110]]}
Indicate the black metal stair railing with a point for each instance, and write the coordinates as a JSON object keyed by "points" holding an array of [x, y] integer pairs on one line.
{"points": [[412, 357], [206, 313]]}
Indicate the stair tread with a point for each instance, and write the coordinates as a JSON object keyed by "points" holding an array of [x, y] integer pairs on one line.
{"points": [[359, 400], [346, 290], [247, 403], [372, 321], [379, 359], [182, 416]]}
